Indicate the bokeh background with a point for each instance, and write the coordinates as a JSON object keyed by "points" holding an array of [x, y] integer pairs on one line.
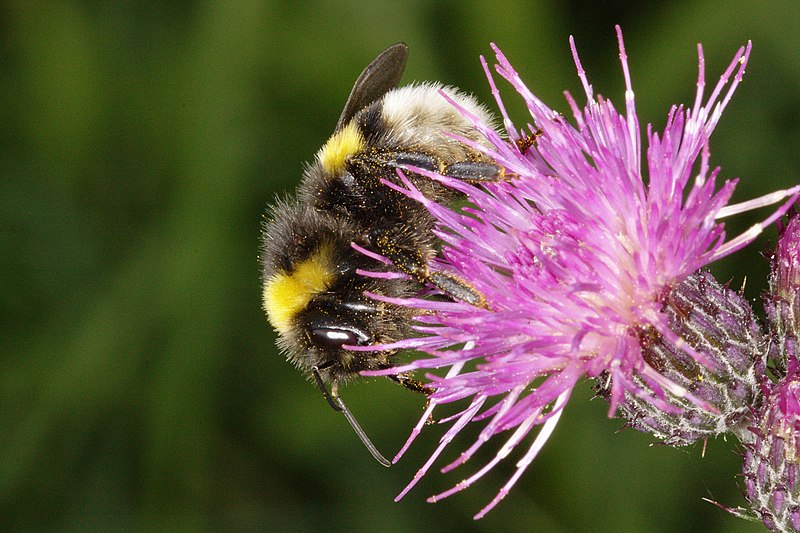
{"points": [[139, 383]]}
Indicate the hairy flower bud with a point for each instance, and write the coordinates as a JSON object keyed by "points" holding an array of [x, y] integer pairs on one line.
{"points": [[783, 301], [772, 455], [772, 461], [718, 323]]}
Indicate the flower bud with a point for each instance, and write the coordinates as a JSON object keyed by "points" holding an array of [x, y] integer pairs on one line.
{"points": [[772, 460], [717, 323], [783, 300]]}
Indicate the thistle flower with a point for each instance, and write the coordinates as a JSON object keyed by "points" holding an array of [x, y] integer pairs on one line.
{"points": [[772, 457], [576, 255], [772, 454], [783, 300], [720, 324], [772, 461]]}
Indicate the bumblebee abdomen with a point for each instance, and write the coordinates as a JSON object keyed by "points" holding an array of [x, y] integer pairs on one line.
{"points": [[421, 117], [346, 142], [414, 118]]}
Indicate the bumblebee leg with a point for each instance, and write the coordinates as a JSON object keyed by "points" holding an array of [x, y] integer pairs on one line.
{"points": [[457, 288], [475, 171], [412, 262], [472, 171], [411, 384], [374, 159], [416, 386], [414, 159]]}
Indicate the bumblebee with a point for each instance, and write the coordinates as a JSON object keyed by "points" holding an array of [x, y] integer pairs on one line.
{"points": [[313, 293]]}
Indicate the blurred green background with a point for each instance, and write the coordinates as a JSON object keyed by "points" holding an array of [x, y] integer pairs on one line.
{"points": [[139, 383]]}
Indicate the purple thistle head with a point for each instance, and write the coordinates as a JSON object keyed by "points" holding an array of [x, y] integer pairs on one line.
{"points": [[783, 300], [720, 324], [772, 459], [576, 255], [772, 454]]}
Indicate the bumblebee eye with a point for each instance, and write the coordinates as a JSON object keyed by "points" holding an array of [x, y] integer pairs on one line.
{"points": [[333, 338]]}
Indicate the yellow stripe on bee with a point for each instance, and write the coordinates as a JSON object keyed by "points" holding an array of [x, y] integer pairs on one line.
{"points": [[345, 142], [287, 294]]}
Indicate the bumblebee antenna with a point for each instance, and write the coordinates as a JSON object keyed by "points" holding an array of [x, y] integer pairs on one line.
{"points": [[338, 405]]}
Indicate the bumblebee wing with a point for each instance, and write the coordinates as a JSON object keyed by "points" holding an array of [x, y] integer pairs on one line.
{"points": [[380, 76]]}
